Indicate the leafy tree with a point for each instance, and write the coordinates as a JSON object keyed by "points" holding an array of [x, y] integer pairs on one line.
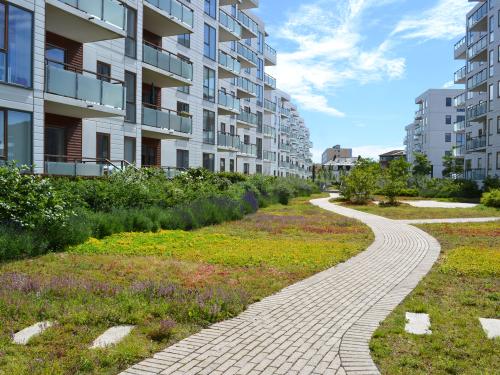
{"points": [[395, 179], [360, 184], [452, 166], [421, 166]]}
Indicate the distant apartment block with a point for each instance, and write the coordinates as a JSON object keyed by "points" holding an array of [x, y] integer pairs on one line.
{"points": [[479, 132], [90, 86], [386, 158], [432, 132], [335, 152]]}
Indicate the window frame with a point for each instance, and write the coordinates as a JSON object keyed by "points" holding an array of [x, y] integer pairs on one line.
{"points": [[134, 103], [208, 87], [210, 44], [4, 111]]}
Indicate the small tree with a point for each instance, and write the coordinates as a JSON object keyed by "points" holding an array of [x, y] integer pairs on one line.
{"points": [[421, 166], [359, 185], [395, 179], [452, 166]]}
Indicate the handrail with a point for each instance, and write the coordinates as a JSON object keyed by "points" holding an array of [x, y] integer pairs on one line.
{"points": [[160, 108], [79, 70]]}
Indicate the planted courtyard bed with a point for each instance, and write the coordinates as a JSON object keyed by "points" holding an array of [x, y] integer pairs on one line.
{"points": [[463, 286], [168, 284]]}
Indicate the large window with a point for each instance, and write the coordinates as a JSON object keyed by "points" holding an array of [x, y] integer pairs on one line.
{"points": [[182, 159], [131, 39], [260, 69], [103, 147], [208, 127], [260, 43], [16, 45], [130, 85], [129, 149], [209, 162], [208, 84], [210, 42], [184, 39], [16, 137], [211, 8]]}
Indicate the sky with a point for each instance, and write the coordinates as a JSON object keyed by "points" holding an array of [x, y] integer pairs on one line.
{"points": [[355, 67]]}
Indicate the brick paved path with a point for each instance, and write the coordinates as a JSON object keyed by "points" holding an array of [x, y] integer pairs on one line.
{"points": [[321, 325]]}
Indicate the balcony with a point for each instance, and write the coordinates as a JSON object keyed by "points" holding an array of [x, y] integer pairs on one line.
{"points": [[284, 164], [229, 67], [478, 82], [270, 55], [459, 151], [269, 106], [86, 21], [477, 112], [229, 29], [459, 101], [165, 124], [479, 50], [250, 28], [208, 137], [228, 104], [61, 165], [248, 150], [285, 112], [284, 147], [269, 156], [164, 69], [284, 129], [461, 49], [476, 143], [248, 4], [247, 120], [246, 57], [477, 174], [228, 142], [478, 21], [223, 3], [268, 131], [269, 82], [459, 126], [419, 114], [168, 17], [245, 88], [74, 92], [460, 75]]}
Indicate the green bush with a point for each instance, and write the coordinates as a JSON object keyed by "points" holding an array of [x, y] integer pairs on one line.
{"points": [[361, 183], [491, 198], [446, 188], [395, 179], [491, 183]]}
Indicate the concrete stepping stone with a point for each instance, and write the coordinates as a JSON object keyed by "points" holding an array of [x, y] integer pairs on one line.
{"points": [[22, 337], [491, 327], [112, 337], [418, 324]]}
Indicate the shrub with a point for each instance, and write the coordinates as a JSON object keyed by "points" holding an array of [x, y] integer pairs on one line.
{"points": [[445, 188], [491, 198], [395, 179], [359, 185], [491, 183]]}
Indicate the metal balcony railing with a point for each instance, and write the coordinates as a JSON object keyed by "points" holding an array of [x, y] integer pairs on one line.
{"points": [[230, 23], [229, 62], [477, 111], [476, 143], [228, 140], [166, 119], [229, 101], [167, 61], [109, 11]]}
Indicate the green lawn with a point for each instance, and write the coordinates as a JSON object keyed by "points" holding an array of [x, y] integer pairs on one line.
{"points": [[405, 211], [462, 286], [156, 280]]}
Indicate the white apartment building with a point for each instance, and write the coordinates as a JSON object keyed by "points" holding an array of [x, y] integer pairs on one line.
{"points": [[88, 86], [480, 99], [432, 131]]}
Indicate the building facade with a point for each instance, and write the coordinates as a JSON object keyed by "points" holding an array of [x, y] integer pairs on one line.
{"points": [[335, 152], [479, 132], [89, 86], [432, 131], [386, 158]]}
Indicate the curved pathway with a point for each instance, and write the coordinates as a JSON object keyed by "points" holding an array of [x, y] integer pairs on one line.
{"points": [[321, 325]]}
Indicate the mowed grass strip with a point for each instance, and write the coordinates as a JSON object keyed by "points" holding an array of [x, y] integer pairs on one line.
{"points": [[463, 286], [169, 284]]}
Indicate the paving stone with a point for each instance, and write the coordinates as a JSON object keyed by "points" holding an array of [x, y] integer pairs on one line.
{"points": [[24, 336], [491, 327], [418, 324], [112, 337]]}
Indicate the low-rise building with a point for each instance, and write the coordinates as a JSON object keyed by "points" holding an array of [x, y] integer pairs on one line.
{"points": [[386, 158], [335, 152]]}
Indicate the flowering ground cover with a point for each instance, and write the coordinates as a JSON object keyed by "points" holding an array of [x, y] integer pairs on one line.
{"points": [[463, 286], [168, 284]]}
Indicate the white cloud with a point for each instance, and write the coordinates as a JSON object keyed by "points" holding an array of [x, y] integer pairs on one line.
{"points": [[448, 85], [446, 20], [373, 151]]}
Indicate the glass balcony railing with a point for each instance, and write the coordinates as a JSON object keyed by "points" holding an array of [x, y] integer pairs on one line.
{"points": [[247, 53], [270, 81], [284, 164], [248, 117], [459, 151], [285, 111], [166, 119], [248, 22], [229, 101], [478, 47], [476, 143], [477, 79], [284, 129], [229, 62], [478, 15], [460, 74], [460, 43], [476, 111], [175, 9], [109, 11], [165, 60], [269, 156], [248, 149], [284, 146], [228, 140], [269, 131], [230, 23], [459, 100], [269, 105], [209, 137], [459, 126], [476, 174], [419, 113], [269, 51], [246, 85], [72, 82]]}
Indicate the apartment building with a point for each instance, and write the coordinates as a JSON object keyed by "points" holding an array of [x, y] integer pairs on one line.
{"points": [[432, 132], [335, 152], [480, 99], [90, 86]]}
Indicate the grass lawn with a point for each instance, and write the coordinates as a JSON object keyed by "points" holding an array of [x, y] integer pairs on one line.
{"points": [[405, 211], [462, 286], [169, 284]]}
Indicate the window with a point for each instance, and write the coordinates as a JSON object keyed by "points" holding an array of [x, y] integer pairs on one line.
{"points": [[182, 107], [489, 162], [231, 165], [447, 137], [260, 95], [103, 146], [103, 71], [259, 148], [246, 168], [448, 119], [498, 160], [131, 91], [209, 42], [260, 122], [182, 159], [211, 8], [55, 55], [491, 92], [183, 89], [448, 102], [258, 169], [16, 137], [16, 45], [208, 127], [208, 84], [246, 139], [209, 162], [184, 40], [260, 43], [129, 150], [260, 69], [222, 165], [498, 125], [131, 38]]}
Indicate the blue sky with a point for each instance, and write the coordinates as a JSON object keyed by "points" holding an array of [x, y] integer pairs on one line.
{"points": [[354, 67]]}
